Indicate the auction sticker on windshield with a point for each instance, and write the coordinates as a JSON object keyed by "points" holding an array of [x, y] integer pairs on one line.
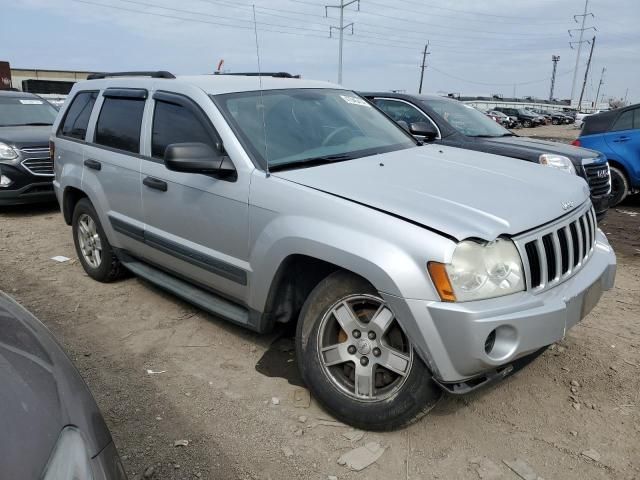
{"points": [[355, 101], [31, 102]]}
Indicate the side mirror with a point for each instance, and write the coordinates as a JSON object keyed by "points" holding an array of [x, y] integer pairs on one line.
{"points": [[403, 124], [423, 129], [197, 158]]}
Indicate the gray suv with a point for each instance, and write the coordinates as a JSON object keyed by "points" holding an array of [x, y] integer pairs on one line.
{"points": [[409, 269]]}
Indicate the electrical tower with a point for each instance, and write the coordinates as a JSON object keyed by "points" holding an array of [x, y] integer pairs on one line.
{"points": [[340, 29], [555, 59], [579, 43], [604, 69], [586, 72], [424, 65]]}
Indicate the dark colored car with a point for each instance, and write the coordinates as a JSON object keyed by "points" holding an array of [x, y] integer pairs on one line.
{"points": [[505, 120], [526, 117], [556, 118], [616, 133], [455, 124], [50, 425], [26, 167]]}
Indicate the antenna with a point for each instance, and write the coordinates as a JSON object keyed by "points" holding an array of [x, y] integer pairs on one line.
{"points": [[264, 120]]}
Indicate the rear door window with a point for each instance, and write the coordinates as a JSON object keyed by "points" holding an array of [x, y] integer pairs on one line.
{"points": [[119, 123], [76, 119], [174, 123], [624, 121]]}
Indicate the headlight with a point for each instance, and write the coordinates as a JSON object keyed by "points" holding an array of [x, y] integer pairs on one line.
{"points": [[6, 152], [557, 161], [70, 459], [478, 271]]}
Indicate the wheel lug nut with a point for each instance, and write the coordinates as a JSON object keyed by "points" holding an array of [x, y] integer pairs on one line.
{"points": [[376, 352], [372, 335], [356, 333], [364, 361], [351, 349]]}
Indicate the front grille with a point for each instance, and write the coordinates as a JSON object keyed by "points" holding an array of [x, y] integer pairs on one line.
{"points": [[554, 253], [37, 161], [598, 179]]}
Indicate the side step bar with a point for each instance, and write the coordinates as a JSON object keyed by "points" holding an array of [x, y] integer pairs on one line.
{"points": [[208, 301]]}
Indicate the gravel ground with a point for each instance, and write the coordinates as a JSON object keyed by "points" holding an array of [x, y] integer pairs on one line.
{"points": [[234, 396], [561, 133]]}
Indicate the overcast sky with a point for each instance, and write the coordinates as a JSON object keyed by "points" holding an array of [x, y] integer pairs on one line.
{"points": [[477, 46]]}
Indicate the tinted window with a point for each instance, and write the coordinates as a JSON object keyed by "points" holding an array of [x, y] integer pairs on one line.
{"points": [[77, 116], [119, 123], [176, 124], [400, 111], [465, 119], [624, 121]]}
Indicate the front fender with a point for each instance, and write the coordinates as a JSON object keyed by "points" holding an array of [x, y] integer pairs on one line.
{"points": [[387, 266]]}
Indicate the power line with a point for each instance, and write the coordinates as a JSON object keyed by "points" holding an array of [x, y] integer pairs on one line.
{"points": [[488, 84]]}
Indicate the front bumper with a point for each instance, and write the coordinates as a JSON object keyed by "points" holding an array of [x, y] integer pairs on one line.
{"points": [[452, 337], [26, 188]]}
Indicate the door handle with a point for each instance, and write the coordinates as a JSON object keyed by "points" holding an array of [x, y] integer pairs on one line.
{"points": [[155, 184], [622, 139], [93, 164]]}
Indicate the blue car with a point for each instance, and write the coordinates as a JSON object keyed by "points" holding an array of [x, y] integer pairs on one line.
{"points": [[616, 134]]}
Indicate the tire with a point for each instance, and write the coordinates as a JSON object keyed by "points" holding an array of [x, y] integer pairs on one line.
{"points": [[393, 400], [619, 186], [527, 124], [555, 121], [105, 266]]}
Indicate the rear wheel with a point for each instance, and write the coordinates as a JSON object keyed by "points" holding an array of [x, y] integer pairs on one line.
{"points": [[527, 124], [619, 186], [94, 251], [357, 360], [555, 121]]}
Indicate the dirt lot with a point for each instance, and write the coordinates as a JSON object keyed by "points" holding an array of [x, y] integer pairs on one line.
{"points": [[232, 394], [563, 133]]}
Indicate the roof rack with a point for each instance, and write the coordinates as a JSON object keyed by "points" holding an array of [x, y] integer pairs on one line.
{"points": [[261, 74], [156, 74]]}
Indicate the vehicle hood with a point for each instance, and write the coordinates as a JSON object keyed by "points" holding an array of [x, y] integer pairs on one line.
{"points": [[460, 193], [531, 148], [41, 392], [23, 137]]}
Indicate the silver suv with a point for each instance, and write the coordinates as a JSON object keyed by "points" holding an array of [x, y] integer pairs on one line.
{"points": [[409, 269]]}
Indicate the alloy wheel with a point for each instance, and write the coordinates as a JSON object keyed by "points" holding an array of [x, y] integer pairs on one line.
{"points": [[363, 350], [89, 241]]}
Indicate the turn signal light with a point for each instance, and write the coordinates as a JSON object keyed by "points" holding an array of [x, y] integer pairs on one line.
{"points": [[441, 281], [576, 142]]}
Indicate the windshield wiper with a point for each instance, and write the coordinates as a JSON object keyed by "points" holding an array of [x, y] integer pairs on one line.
{"points": [[493, 136], [36, 124], [311, 162]]}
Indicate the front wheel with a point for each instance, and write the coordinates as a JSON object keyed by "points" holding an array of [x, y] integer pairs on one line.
{"points": [[527, 124], [619, 186], [357, 360]]}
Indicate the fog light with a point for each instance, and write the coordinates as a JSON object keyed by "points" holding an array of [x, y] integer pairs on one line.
{"points": [[5, 181]]}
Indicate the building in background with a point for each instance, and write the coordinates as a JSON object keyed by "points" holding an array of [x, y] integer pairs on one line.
{"points": [[54, 85]]}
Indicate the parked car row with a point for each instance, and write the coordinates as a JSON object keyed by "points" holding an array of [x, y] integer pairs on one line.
{"points": [[394, 230]]}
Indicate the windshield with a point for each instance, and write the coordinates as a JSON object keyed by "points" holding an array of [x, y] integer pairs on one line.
{"points": [[17, 111], [288, 127], [465, 119]]}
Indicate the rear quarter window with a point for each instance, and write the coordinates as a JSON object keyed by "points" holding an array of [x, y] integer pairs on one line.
{"points": [[76, 119], [624, 121], [119, 123]]}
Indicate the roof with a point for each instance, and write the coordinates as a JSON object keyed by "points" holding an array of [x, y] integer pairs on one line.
{"points": [[216, 84], [12, 93]]}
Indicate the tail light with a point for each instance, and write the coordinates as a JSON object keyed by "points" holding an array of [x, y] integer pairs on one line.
{"points": [[576, 143]]}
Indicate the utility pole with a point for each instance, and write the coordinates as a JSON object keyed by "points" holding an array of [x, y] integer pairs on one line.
{"points": [[626, 94], [586, 72], [555, 59], [340, 29], [579, 42], [424, 65], [604, 69]]}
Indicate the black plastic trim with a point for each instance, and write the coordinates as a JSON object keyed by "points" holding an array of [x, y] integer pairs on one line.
{"points": [[125, 228], [152, 74]]}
